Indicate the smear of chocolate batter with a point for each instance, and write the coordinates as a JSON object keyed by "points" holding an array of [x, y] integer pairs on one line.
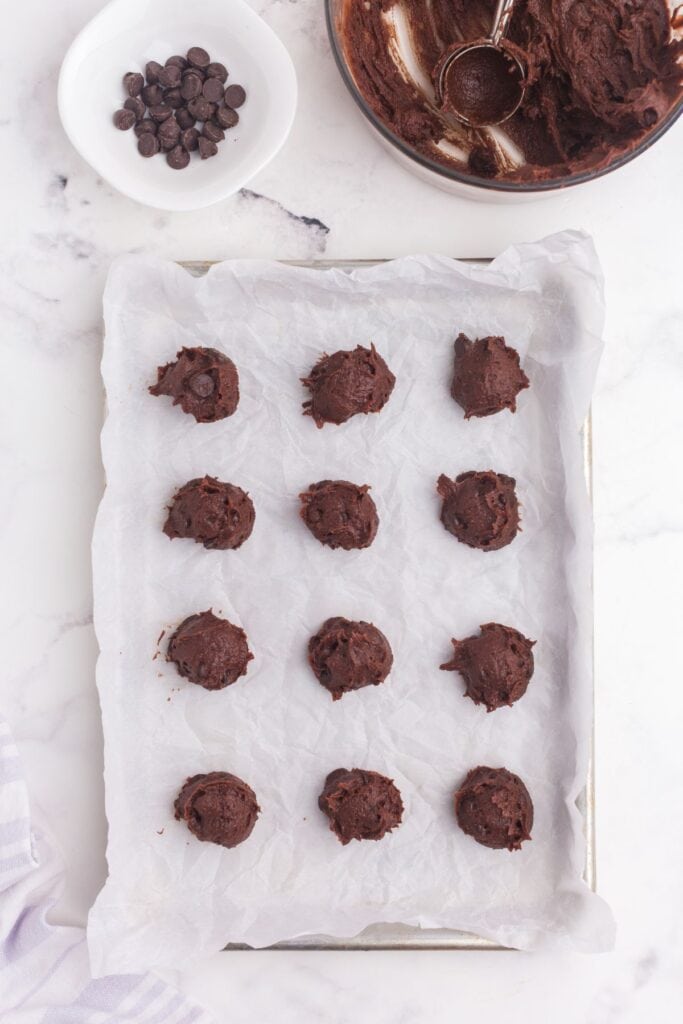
{"points": [[600, 76]]}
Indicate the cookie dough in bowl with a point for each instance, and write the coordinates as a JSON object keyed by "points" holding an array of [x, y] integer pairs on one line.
{"points": [[604, 81]]}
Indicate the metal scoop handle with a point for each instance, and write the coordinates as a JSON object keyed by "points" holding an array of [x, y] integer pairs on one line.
{"points": [[501, 20], [492, 41]]}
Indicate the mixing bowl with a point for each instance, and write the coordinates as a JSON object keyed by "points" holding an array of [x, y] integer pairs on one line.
{"points": [[460, 180]]}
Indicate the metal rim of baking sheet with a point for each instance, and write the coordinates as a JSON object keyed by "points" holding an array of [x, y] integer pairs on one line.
{"points": [[409, 937]]}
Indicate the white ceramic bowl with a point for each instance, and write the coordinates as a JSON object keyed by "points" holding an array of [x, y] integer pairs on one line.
{"points": [[127, 34]]}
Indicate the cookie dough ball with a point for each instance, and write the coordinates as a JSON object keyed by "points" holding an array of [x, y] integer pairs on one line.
{"points": [[347, 655], [218, 808], [347, 383], [496, 665], [212, 513], [494, 807], [480, 509], [487, 376], [209, 651], [340, 514], [202, 381], [360, 804]]}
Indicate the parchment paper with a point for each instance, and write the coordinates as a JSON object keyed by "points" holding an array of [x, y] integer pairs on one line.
{"points": [[170, 898]]}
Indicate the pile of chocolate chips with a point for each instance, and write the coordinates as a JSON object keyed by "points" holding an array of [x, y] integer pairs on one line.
{"points": [[180, 107]]}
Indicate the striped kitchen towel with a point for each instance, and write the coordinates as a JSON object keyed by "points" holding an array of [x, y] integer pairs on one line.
{"points": [[44, 972]]}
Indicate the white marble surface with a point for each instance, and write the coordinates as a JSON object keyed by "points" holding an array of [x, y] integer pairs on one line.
{"points": [[332, 192]]}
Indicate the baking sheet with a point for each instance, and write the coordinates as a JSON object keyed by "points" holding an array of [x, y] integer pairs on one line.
{"points": [[406, 937], [169, 898]]}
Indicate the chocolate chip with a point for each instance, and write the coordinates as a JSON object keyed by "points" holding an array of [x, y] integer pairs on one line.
{"points": [[213, 131], [482, 161], [160, 113], [200, 108], [169, 133], [169, 77], [198, 57], [148, 145], [135, 104], [227, 117], [169, 125], [207, 148], [152, 95], [235, 96], [168, 142], [178, 158], [191, 87], [124, 119], [202, 385], [189, 139], [173, 98], [133, 83], [176, 61], [152, 70], [184, 118], [146, 127], [649, 117], [216, 70], [212, 90], [177, 108]]}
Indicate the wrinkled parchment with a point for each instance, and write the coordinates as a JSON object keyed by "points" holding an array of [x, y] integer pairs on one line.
{"points": [[170, 898]]}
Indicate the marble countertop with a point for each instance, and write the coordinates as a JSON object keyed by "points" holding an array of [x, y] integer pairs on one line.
{"points": [[334, 193]]}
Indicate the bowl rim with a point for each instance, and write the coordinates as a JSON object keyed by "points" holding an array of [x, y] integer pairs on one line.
{"points": [[451, 174], [181, 202]]}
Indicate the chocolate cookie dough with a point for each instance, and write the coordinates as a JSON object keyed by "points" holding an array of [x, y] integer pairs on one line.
{"points": [[209, 651], [494, 807], [487, 376], [480, 509], [347, 383], [218, 808], [348, 655], [496, 665], [360, 804], [202, 381], [600, 78], [482, 84], [340, 514], [212, 513]]}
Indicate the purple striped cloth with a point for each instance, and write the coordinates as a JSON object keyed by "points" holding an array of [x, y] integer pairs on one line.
{"points": [[44, 971]]}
